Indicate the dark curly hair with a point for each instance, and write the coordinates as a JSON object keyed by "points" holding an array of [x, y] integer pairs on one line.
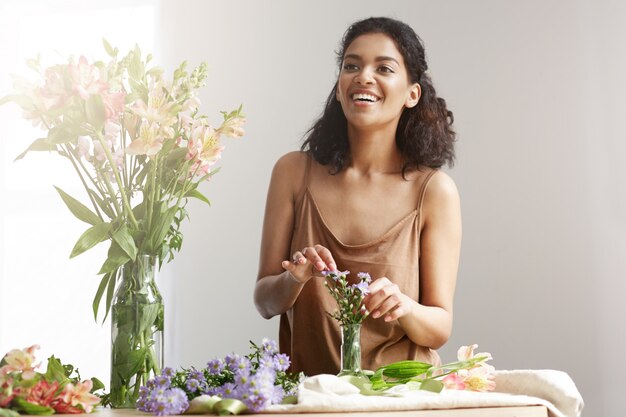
{"points": [[424, 135]]}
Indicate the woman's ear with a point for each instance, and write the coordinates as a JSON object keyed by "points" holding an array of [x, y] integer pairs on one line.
{"points": [[415, 92]]}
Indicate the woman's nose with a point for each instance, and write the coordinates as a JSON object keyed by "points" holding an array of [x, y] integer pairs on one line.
{"points": [[365, 76]]}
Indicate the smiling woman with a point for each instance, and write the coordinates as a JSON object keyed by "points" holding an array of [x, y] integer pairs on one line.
{"points": [[38, 282], [367, 195]]}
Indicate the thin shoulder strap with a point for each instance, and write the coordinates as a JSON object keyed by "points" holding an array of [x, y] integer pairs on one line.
{"points": [[423, 189]]}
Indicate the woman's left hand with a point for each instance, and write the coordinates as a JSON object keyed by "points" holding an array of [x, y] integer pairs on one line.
{"points": [[386, 300]]}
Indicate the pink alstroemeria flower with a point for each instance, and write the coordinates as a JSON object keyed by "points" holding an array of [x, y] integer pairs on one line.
{"points": [[233, 127], [149, 142], [453, 381], [43, 393], [479, 378], [80, 395], [86, 79], [21, 361]]}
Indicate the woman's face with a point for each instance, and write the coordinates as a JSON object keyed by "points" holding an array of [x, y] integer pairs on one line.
{"points": [[373, 86]]}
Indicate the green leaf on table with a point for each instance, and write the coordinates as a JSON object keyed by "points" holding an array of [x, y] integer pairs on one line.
{"points": [[56, 370], [24, 407], [124, 239], [38, 145], [96, 114], [5, 412], [96, 384], [91, 237], [78, 209], [431, 385]]}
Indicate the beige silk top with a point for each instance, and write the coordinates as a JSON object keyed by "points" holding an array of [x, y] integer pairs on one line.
{"points": [[310, 337]]}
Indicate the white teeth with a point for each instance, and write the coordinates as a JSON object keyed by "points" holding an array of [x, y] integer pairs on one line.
{"points": [[366, 97]]}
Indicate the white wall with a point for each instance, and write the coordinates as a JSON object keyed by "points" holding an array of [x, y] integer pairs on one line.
{"points": [[538, 93]]}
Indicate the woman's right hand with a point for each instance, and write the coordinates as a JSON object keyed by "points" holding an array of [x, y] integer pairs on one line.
{"points": [[302, 261]]}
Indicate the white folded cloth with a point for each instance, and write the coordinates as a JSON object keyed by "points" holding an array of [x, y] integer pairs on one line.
{"points": [[553, 389]]}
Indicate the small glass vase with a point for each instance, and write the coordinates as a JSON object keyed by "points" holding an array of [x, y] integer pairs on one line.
{"points": [[351, 350], [136, 331]]}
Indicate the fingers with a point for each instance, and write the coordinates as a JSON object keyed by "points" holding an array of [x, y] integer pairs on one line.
{"points": [[386, 300], [319, 256]]}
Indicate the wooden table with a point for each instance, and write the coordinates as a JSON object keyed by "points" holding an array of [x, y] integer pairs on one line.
{"points": [[527, 411]]}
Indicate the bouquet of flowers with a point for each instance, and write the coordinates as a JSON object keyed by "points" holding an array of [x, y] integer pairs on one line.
{"points": [[137, 142], [349, 297], [58, 390], [228, 385]]}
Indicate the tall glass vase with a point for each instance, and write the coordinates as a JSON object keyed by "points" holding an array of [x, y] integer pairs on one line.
{"points": [[351, 350], [136, 331]]}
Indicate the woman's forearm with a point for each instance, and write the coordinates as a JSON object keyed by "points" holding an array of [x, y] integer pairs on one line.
{"points": [[275, 294], [427, 325]]}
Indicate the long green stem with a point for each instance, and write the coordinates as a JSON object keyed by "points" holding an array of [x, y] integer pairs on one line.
{"points": [[120, 184], [71, 157]]}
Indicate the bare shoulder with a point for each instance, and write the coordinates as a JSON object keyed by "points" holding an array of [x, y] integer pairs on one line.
{"points": [[441, 195], [288, 172], [291, 163]]}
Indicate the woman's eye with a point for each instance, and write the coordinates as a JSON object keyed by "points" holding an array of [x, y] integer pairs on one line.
{"points": [[349, 67], [385, 68]]}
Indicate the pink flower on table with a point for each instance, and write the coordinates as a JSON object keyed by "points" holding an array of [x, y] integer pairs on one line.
{"points": [[79, 395], [6, 391], [453, 381], [86, 79], [21, 361], [480, 378], [43, 393]]}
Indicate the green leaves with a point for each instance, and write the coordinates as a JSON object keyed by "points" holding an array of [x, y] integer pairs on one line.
{"points": [[41, 144], [92, 236], [24, 407], [78, 209]]}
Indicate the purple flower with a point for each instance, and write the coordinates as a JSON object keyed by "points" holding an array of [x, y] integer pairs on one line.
{"points": [[363, 287], [229, 361], [195, 374], [162, 381], [269, 346], [168, 372], [192, 384], [364, 276], [215, 366], [281, 362], [226, 390], [241, 365]]}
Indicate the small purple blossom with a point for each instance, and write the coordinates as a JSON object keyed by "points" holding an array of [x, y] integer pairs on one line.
{"points": [[168, 372], [363, 287], [192, 384], [241, 365], [269, 346], [281, 362], [364, 277], [215, 366]]}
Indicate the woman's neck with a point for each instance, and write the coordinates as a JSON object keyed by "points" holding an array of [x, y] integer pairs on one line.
{"points": [[374, 152]]}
